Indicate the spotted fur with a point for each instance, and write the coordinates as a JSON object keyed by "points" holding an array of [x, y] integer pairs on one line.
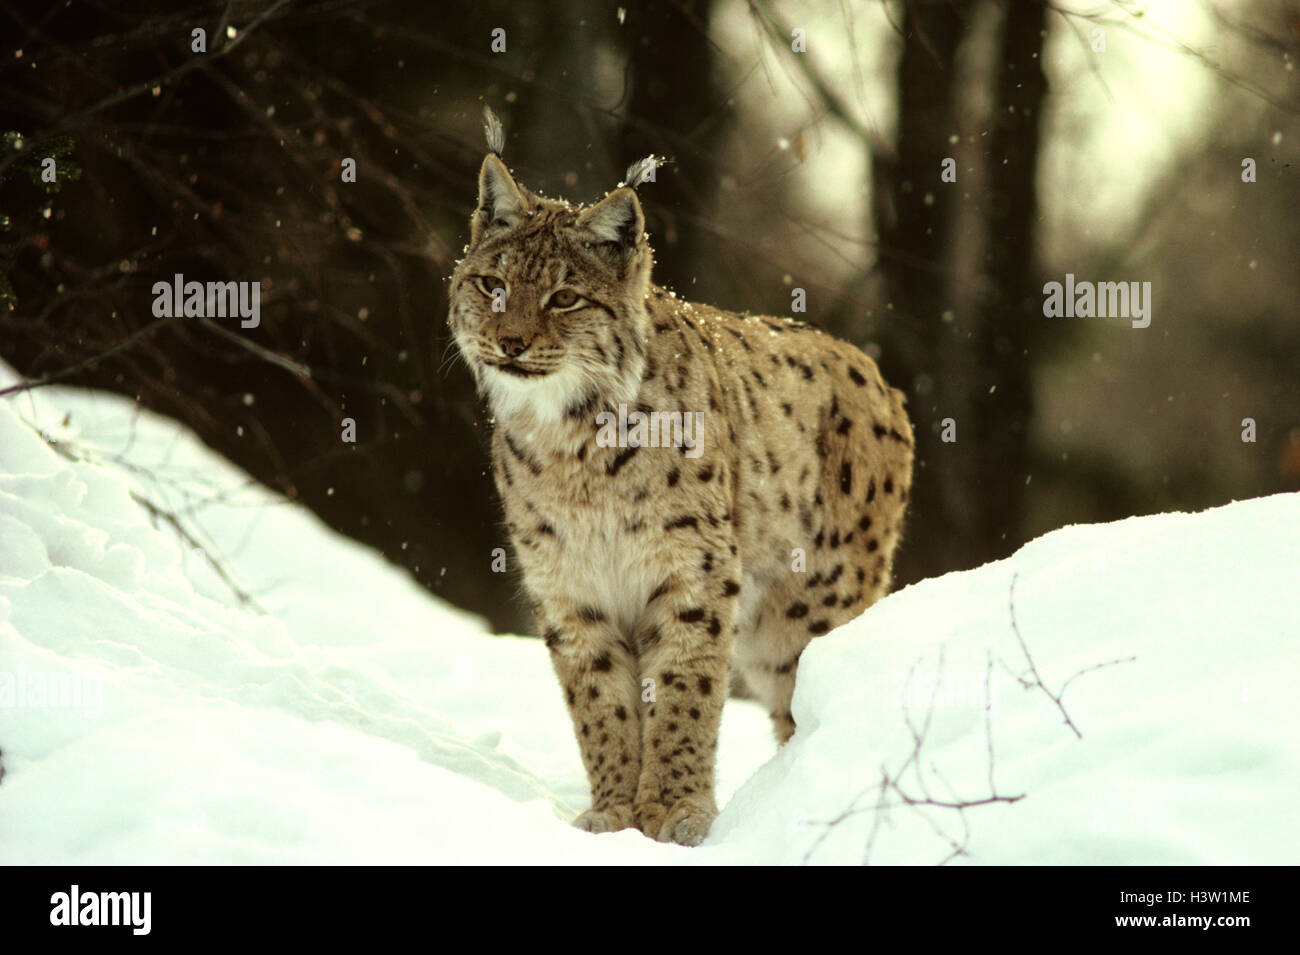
{"points": [[654, 570]]}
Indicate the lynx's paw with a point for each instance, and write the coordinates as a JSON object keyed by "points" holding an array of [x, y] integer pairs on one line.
{"points": [[610, 819], [686, 823]]}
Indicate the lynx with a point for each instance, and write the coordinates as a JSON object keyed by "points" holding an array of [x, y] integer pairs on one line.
{"points": [[655, 567]]}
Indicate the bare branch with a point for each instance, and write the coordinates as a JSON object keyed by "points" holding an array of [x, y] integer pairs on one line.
{"points": [[831, 100], [1037, 681], [227, 576], [54, 376], [891, 793]]}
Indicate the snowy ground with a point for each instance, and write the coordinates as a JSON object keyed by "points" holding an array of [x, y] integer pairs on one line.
{"points": [[147, 717]]}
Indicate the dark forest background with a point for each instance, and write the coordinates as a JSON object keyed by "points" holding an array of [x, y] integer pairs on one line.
{"points": [[225, 165]]}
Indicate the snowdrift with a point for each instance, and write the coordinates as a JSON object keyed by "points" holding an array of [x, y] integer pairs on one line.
{"points": [[1120, 693]]}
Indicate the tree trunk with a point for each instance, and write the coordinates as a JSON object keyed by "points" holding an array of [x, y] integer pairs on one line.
{"points": [[1011, 317], [963, 351], [673, 109], [916, 217]]}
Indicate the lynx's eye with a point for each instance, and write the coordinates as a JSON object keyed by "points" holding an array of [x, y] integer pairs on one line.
{"points": [[488, 284], [564, 298]]}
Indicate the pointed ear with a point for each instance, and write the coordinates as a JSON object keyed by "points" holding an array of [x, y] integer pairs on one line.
{"points": [[616, 223], [500, 200]]}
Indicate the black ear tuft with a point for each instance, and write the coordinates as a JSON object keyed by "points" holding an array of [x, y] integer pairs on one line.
{"points": [[643, 170], [493, 131]]}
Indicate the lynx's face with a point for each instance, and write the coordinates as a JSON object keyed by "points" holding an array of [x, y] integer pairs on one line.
{"points": [[548, 304]]}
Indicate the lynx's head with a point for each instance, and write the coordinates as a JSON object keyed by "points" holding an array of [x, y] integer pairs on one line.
{"points": [[548, 304]]}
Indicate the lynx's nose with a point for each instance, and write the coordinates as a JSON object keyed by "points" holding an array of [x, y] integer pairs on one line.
{"points": [[512, 347]]}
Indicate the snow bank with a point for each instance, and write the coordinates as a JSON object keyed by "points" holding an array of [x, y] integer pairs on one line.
{"points": [[1187, 753], [147, 715]]}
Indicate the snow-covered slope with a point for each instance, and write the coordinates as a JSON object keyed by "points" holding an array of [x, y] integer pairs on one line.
{"points": [[147, 716]]}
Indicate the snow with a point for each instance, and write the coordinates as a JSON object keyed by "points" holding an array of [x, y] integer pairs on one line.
{"points": [[147, 715]]}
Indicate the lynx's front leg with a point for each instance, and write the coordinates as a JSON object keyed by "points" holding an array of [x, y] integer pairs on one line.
{"points": [[685, 659], [597, 671]]}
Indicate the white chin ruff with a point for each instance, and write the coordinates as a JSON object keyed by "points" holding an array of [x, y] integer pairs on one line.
{"points": [[546, 398]]}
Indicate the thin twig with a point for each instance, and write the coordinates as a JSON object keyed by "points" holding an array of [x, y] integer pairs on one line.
{"points": [[1037, 681], [85, 363], [891, 794], [174, 523]]}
